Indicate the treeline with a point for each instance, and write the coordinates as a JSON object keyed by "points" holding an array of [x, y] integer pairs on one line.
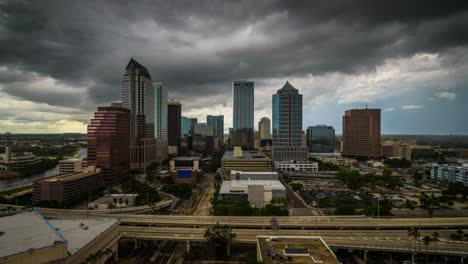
{"points": [[146, 194], [355, 180], [62, 151], [43, 165]]}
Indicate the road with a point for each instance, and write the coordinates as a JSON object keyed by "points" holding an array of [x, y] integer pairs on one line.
{"points": [[392, 240], [203, 205], [296, 222]]}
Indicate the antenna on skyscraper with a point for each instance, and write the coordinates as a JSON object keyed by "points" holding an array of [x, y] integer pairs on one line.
{"points": [[366, 106]]}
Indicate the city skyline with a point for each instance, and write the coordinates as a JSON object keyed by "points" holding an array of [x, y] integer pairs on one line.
{"points": [[412, 64]]}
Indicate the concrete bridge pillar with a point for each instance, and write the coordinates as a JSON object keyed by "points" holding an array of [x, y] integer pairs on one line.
{"points": [[462, 259], [365, 256], [189, 247], [136, 244]]}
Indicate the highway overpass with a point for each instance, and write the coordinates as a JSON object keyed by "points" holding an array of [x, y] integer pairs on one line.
{"points": [[285, 222], [391, 241]]}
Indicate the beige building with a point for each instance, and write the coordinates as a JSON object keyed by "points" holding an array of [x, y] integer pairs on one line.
{"points": [[264, 128], [71, 165], [249, 161], [294, 249]]}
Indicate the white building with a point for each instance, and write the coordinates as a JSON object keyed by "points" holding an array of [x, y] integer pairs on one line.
{"points": [[71, 165], [445, 172], [296, 166], [258, 192]]}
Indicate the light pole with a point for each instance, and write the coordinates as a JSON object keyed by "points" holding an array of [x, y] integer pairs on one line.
{"points": [[378, 207]]}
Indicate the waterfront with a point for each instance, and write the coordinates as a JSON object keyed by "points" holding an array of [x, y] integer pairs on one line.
{"points": [[25, 181]]}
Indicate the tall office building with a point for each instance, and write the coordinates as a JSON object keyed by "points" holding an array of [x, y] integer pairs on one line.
{"points": [[264, 128], [321, 139], [217, 123], [174, 111], [138, 96], [287, 139], [243, 114], [160, 120], [109, 143], [186, 125], [361, 133]]}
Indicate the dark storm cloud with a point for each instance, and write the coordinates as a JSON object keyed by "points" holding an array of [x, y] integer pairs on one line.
{"points": [[199, 47]]}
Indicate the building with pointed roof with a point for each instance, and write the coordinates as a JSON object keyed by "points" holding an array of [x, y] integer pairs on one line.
{"points": [[138, 96], [287, 125]]}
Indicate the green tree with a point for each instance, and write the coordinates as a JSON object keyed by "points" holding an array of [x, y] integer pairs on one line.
{"points": [[167, 180], [220, 236]]}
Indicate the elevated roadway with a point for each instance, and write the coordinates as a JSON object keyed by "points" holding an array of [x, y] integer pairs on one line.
{"points": [[392, 241], [285, 222]]}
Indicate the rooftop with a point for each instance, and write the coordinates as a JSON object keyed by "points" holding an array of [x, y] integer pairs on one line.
{"points": [[186, 158], [24, 231], [300, 249], [69, 176], [245, 155], [227, 186], [233, 172], [79, 232]]}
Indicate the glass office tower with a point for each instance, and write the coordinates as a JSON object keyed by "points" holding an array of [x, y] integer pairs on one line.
{"points": [[243, 114]]}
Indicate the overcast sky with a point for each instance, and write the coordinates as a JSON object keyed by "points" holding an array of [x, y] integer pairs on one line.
{"points": [[59, 60]]}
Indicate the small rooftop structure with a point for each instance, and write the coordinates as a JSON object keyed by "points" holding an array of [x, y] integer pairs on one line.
{"points": [[294, 249]]}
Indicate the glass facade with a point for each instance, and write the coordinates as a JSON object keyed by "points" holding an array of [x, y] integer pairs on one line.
{"points": [[287, 125], [160, 108], [321, 139], [243, 114], [217, 123], [138, 96], [186, 125]]}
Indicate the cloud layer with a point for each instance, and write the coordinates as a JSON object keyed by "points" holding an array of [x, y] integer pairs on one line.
{"points": [[59, 60]]}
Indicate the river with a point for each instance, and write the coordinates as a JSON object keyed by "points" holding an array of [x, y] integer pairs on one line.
{"points": [[25, 181]]}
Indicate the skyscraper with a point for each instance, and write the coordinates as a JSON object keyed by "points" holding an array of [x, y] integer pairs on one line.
{"points": [[138, 96], [217, 123], [287, 118], [264, 128], [186, 126], [109, 142], [243, 114], [321, 139], [160, 119], [174, 111], [361, 133]]}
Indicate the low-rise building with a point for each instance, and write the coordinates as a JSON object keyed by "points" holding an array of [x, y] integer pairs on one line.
{"points": [[117, 200], [252, 161], [71, 165], [299, 166], [17, 161], [249, 175], [27, 237], [68, 186], [184, 175], [294, 249], [258, 192], [185, 163], [445, 172]]}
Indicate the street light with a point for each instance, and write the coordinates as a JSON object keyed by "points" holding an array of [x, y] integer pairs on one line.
{"points": [[378, 207]]}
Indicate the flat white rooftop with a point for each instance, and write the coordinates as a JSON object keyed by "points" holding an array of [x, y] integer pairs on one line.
{"points": [[29, 230], [234, 172], [227, 186], [79, 235], [24, 231]]}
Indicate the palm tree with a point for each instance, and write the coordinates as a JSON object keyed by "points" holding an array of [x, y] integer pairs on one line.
{"points": [[410, 234], [427, 240], [436, 237]]}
